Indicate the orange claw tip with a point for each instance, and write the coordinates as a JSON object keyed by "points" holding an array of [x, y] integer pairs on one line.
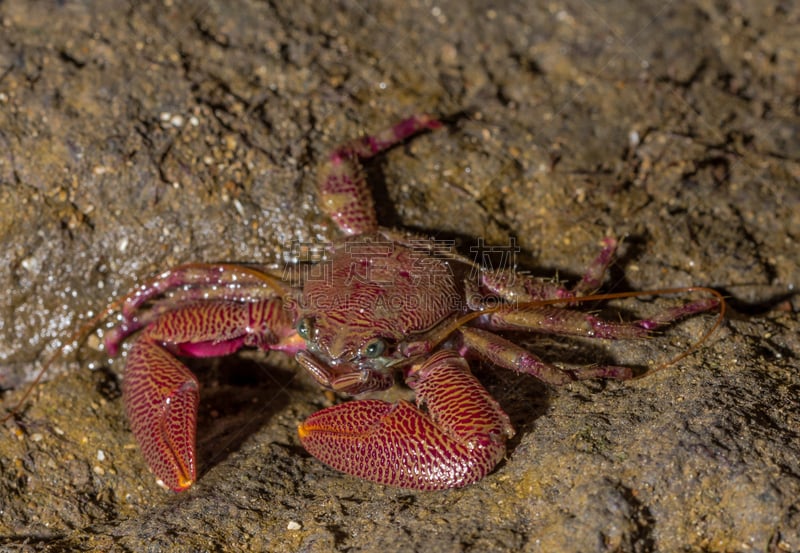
{"points": [[311, 426], [303, 431], [180, 484], [184, 483], [306, 429]]}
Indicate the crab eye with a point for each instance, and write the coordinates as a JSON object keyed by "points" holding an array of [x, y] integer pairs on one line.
{"points": [[304, 328], [375, 348]]}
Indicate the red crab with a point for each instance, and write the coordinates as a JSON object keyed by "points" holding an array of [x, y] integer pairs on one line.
{"points": [[383, 303]]}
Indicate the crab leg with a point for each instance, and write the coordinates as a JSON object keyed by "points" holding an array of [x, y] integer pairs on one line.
{"points": [[515, 287], [593, 277], [553, 320], [161, 395], [204, 275], [186, 284], [454, 435], [550, 319], [342, 187], [506, 354]]}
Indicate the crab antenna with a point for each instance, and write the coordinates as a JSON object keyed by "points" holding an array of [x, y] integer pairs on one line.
{"points": [[455, 324], [85, 329]]}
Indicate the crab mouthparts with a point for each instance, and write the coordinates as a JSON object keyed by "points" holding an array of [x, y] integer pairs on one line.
{"points": [[345, 376]]}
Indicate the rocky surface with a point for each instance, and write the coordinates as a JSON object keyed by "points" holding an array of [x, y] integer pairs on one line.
{"points": [[137, 136]]}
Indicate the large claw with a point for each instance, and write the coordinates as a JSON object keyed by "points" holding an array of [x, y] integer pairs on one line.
{"points": [[458, 441], [161, 394], [161, 398]]}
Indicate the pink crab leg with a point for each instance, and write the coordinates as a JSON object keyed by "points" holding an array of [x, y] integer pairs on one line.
{"points": [[508, 355], [114, 337], [515, 287], [189, 283], [553, 320], [550, 319], [593, 278], [457, 441], [342, 187], [203, 275], [161, 394]]}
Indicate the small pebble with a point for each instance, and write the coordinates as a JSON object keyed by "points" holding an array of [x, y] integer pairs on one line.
{"points": [[293, 525]]}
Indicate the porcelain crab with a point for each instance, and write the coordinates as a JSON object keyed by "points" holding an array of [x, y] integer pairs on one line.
{"points": [[383, 303]]}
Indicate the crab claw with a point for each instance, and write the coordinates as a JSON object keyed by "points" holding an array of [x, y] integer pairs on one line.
{"points": [[161, 397], [457, 441]]}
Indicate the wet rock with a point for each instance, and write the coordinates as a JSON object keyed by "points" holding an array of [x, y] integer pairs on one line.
{"points": [[133, 138]]}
